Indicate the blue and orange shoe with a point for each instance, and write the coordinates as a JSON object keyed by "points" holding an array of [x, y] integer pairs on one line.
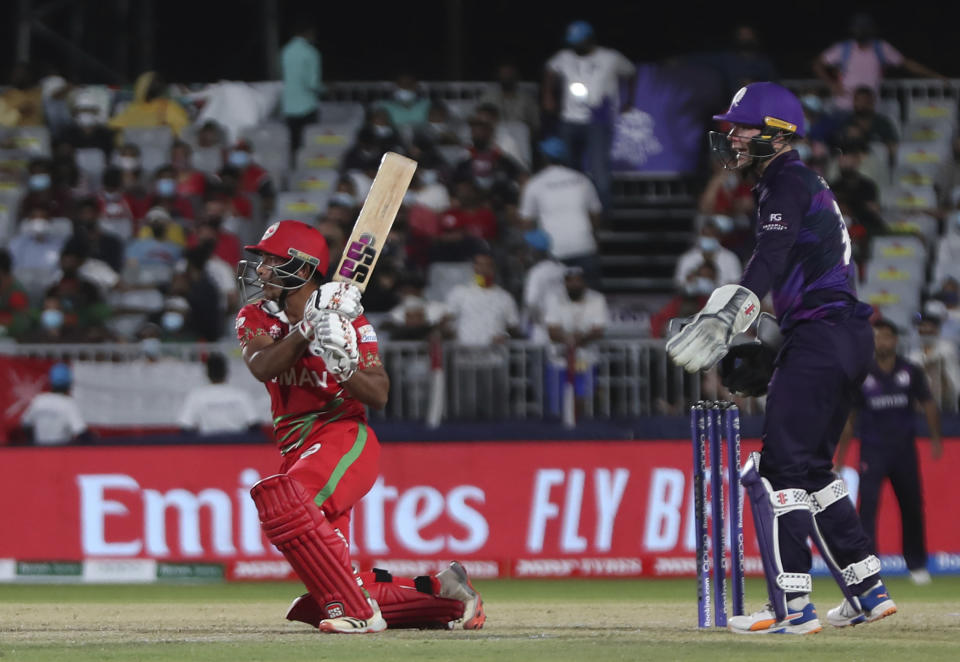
{"points": [[874, 605], [800, 620], [455, 585]]}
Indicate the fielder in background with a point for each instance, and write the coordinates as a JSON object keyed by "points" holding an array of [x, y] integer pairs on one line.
{"points": [[54, 418], [802, 257], [316, 353], [217, 407], [887, 403]]}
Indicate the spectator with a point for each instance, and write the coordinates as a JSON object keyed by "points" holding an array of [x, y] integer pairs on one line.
{"points": [[224, 252], [159, 220], [857, 192], [947, 264], [57, 112], [471, 213], [190, 181], [708, 249], [54, 418], [237, 204], [87, 131], [54, 325], [79, 290], [42, 193], [947, 181], [542, 281], [728, 200], [302, 75], [336, 237], [483, 312], [102, 246], [692, 295], [150, 107], [563, 203], [152, 257], [210, 134], [515, 104], [217, 408], [949, 294], [426, 190], [253, 179], [861, 62], [865, 123], [745, 62], [491, 170], [575, 321], [165, 195], [416, 318], [364, 155], [589, 77], [936, 355], [21, 104], [439, 129], [407, 108], [114, 209], [502, 138], [204, 320], [36, 249], [14, 303]]}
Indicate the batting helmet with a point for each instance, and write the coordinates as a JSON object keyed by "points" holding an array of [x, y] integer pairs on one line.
{"points": [[303, 244], [766, 106]]}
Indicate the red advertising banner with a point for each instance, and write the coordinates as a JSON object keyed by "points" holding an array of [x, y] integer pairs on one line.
{"points": [[23, 378], [617, 508]]}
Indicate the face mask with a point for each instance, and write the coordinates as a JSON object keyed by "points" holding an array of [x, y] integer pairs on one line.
{"points": [[51, 319], [172, 321], [37, 226], [343, 199], [724, 223], [128, 163], [87, 120], [151, 347], [166, 187], [382, 130], [708, 244], [239, 158], [405, 96], [428, 177], [39, 182]]}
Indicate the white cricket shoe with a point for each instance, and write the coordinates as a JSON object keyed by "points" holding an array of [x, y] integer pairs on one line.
{"points": [[455, 585], [801, 619], [920, 577], [874, 605], [351, 625]]}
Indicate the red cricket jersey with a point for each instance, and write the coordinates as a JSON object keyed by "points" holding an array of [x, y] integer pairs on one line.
{"points": [[305, 398]]}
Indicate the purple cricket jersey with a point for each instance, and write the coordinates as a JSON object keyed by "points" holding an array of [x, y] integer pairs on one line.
{"points": [[803, 249], [886, 404]]}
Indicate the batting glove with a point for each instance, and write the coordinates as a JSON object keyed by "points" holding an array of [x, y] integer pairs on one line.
{"points": [[335, 341], [730, 310], [340, 297]]}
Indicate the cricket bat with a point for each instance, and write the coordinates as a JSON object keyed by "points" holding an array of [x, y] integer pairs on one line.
{"points": [[376, 218]]}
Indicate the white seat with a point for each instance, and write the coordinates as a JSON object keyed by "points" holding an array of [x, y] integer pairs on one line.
{"points": [[346, 113], [153, 157], [92, 161], [9, 208], [312, 157], [928, 131], [918, 223], [324, 180], [208, 159], [329, 136], [903, 249], [303, 206], [154, 136], [910, 198], [34, 140], [921, 154], [267, 136], [884, 273], [932, 109]]}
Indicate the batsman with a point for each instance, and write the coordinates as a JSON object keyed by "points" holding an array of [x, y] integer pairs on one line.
{"points": [[801, 257], [308, 341]]}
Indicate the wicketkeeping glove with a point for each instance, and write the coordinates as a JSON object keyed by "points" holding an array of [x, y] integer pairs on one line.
{"points": [[730, 310], [335, 341]]}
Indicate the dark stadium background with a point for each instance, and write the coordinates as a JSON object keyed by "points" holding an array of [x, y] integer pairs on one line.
{"points": [[203, 40]]}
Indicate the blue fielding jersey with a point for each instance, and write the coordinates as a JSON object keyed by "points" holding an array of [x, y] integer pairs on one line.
{"points": [[803, 249], [886, 403]]}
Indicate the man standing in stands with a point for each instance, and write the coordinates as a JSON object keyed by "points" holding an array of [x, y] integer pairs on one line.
{"points": [[302, 74]]}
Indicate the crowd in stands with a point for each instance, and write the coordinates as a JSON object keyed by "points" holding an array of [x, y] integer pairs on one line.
{"points": [[122, 217]]}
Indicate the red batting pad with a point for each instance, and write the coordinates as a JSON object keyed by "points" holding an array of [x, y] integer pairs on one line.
{"points": [[315, 551]]}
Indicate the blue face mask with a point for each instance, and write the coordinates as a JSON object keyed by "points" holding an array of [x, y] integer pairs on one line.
{"points": [[166, 187], [405, 96], [239, 158], [39, 182], [708, 244], [172, 321], [51, 319], [428, 177]]}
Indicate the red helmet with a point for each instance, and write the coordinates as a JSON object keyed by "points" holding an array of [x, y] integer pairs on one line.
{"points": [[303, 245], [297, 240]]}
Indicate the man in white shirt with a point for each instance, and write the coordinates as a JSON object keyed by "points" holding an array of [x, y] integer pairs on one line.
{"points": [[707, 248], [54, 418], [564, 204], [218, 408], [589, 77], [542, 281], [577, 318], [484, 313]]}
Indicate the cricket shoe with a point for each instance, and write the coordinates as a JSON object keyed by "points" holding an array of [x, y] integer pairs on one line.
{"points": [[351, 625], [874, 605], [800, 620], [306, 610], [455, 585]]}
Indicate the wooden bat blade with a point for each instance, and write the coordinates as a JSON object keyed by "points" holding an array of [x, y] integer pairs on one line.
{"points": [[376, 218]]}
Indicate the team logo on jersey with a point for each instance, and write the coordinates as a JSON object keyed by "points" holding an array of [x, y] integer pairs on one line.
{"points": [[310, 451], [270, 231], [275, 331], [869, 383], [240, 321], [903, 378], [367, 334]]}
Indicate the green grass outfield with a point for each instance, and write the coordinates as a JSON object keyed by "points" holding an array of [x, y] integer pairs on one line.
{"points": [[527, 620]]}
